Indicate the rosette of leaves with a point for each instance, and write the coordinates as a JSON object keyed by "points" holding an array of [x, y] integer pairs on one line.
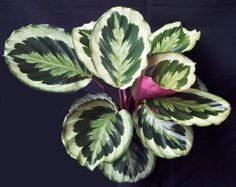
{"points": [[120, 50]]}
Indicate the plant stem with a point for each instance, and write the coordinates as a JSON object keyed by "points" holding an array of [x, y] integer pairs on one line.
{"points": [[121, 99], [101, 86], [130, 101], [125, 98]]}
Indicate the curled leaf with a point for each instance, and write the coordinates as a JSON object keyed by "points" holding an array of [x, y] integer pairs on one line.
{"points": [[146, 88], [173, 37]]}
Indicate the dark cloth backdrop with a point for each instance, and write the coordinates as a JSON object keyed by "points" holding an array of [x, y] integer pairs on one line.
{"points": [[30, 121]]}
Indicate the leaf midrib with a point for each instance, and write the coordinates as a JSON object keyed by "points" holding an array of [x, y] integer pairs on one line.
{"points": [[176, 79], [103, 131], [170, 42], [185, 105], [77, 70]]}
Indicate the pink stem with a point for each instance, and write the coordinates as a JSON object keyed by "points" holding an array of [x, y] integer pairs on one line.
{"points": [[101, 86], [125, 99], [121, 100]]}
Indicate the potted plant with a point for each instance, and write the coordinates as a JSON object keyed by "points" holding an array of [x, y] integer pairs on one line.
{"points": [[160, 97]]}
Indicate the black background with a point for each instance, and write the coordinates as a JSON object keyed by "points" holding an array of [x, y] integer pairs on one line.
{"points": [[31, 150]]}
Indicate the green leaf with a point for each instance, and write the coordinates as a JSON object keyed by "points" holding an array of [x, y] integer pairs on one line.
{"points": [[192, 107], [173, 37], [172, 71], [81, 37], [135, 164], [163, 137], [119, 45], [43, 57], [95, 131]]}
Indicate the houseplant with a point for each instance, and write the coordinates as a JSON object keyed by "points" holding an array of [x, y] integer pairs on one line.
{"points": [[159, 94]]}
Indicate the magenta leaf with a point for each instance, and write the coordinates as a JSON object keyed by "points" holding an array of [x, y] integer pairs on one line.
{"points": [[147, 89]]}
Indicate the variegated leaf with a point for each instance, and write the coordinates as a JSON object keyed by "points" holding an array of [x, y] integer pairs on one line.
{"points": [[135, 164], [119, 45], [81, 37], [43, 57], [173, 37], [192, 107], [172, 71], [95, 131], [163, 137]]}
